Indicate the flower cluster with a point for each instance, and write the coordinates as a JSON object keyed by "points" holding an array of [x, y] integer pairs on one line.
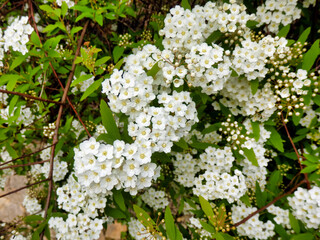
{"points": [[25, 117], [253, 228], [101, 167], [31, 204], [275, 13], [60, 167], [16, 36], [73, 198], [76, 227], [5, 156], [217, 184], [306, 206], [282, 216], [155, 199], [185, 29], [83, 85]]}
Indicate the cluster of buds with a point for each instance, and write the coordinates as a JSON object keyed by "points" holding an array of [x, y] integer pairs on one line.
{"points": [[48, 131]]}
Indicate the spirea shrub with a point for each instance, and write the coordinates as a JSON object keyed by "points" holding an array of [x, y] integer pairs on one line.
{"points": [[188, 120]]}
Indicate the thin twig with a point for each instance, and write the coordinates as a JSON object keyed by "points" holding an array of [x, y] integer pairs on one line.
{"points": [[27, 155], [26, 164], [19, 189], [55, 136], [269, 204], [53, 70], [4, 4], [296, 151], [29, 96]]}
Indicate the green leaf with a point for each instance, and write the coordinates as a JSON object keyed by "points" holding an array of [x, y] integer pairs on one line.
{"points": [[169, 222], [154, 70], [64, 8], [35, 39], [207, 226], [294, 223], [57, 12], [284, 31], [249, 153], [13, 103], [115, 213], [75, 30], [298, 138], [50, 28], [80, 79], [119, 200], [226, 236], [254, 84], [295, 118], [93, 87], [12, 83], [218, 236], [214, 37], [246, 200], [18, 60], [274, 180], [185, 4], [206, 208], [106, 138], [82, 8], [101, 61], [108, 121], [99, 19], [260, 197], [9, 77], [303, 37], [309, 169], [143, 217], [316, 99], [32, 218], [182, 143], [275, 138], [46, 8], [200, 145], [119, 64], [311, 56], [84, 15], [256, 130], [251, 24], [282, 232], [117, 53], [211, 128], [303, 236], [311, 158]]}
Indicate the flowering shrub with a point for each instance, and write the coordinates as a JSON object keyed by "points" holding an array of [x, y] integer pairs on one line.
{"points": [[184, 121]]}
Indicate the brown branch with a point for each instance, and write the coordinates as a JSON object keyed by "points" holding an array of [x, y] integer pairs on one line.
{"points": [[29, 96], [55, 136], [4, 4], [27, 155], [19, 189], [296, 151], [23, 165], [53, 70], [269, 204]]}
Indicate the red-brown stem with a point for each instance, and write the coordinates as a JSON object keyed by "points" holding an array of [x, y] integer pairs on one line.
{"points": [[19, 189], [29, 96], [296, 151], [4, 4], [53, 70], [27, 155], [26, 164], [269, 204], [55, 136]]}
